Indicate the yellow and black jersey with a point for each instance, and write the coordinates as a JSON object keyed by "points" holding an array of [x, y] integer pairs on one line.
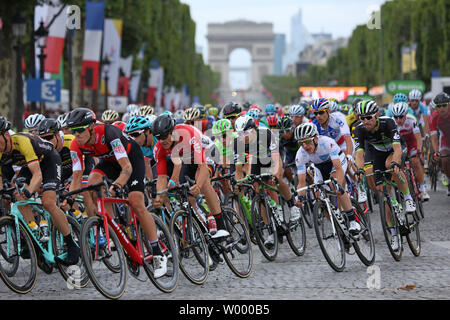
{"points": [[26, 148], [352, 121], [66, 160]]}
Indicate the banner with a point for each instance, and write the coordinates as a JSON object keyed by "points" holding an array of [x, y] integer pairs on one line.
{"points": [[112, 43], [40, 90], [339, 93], [40, 14], [125, 75], [153, 82], [134, 85], [408, 55], [56, 38], [95, 13]]}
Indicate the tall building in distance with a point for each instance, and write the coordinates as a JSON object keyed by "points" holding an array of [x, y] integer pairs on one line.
{"points": [[279, 49]]}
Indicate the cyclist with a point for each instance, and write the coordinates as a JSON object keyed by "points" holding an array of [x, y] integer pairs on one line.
{"points": [[146, 111], [258, 147], [41, 165], [383, 141], [32, 122], [121, 159], [270, 110], [410, 134], [288, 144], [180, 152], [109, 116], [328, 160], [231, 112], [63, 124], [132, 109], [297, 113], [419, 110], [440, 122]]}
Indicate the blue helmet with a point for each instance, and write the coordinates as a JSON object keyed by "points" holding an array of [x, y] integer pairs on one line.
{"points": [[271, 108], [137, 122], [320, 104], [400, 97]]}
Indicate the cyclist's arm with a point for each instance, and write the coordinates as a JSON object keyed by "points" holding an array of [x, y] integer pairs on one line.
{"points": [[126, 172], [301, 183], [36, 179], [340, 174], [349, 143], [419, 141], [359, 158], [426, 128], [397, 156], [434, 141]]}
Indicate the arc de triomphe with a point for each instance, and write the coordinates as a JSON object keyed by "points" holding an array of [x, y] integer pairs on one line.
{"points": [[257, 38]]}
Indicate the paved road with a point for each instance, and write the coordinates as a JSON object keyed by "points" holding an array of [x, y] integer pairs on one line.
{"points": [[306, 277]]}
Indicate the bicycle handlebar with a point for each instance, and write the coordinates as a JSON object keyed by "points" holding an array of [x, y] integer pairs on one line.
{"points": [[311, 186]]}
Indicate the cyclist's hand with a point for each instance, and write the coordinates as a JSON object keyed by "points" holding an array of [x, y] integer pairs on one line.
{"points": [[65, 205], [112, 192], [359, 174], [195, 190], [395, 168]]}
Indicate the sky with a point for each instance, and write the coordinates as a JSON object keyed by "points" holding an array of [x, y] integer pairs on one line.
{"points": [[338, 17]]}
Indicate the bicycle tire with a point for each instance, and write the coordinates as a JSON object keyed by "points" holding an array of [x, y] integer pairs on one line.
{"points": [[238, 251], [412, 190], [296, 235], [413, 237], [76, 275], [95, 266], [259, 227], [365, 236], [320, 220], [169, 281], [197, 248], [13, 268], [307, 214], [382, 200]]}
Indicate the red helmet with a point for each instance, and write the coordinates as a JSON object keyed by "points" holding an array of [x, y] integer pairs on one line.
{"points": [[272, 120], [120, 124], [243, 113], [255, 106]]}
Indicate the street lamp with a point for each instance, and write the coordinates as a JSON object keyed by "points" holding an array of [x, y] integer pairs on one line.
{"points": [[19, 28], [41, 37], [105, 64]]}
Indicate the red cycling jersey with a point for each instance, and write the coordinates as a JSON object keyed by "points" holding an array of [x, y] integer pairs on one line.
{"points": [[190, 148], [437, 123]]}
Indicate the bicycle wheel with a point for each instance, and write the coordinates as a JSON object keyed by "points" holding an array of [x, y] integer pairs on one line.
{"points": [[413, 237], [365, 244], [18, 264], [75, 275], [434, 174], [169, 281], [384, 203], [266, 234], [414, 195], [192, 248], [329, 238], [307, 214], [96, 256], [296, 236], [238, 252]]}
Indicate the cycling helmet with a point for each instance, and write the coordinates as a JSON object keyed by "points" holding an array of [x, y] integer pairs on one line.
{"points": [[145, 110], [254, 113], [320, 104], [270, 108], [400, 109], [272, 120], [305, 130], [166, 112], [5, 125], [110, 116], [48, 125], [333, 105], [120, 124], [415, 95], [62, 119], [137, 122], [163, 126], [244, 123], [285, 110], [213, 111], [255, 106], [132, 108], [80, 117], [221, 127], [246, 105], [284, 123], [366, 107], [355, 103], [191, 114], [400, 97], [231, 109], [344, 109], [441, 99], [297, 110], [151, 118], [33, 120], [202, 111]]}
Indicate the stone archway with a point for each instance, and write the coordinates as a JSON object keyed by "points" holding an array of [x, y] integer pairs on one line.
{"points": [[257, 38]]}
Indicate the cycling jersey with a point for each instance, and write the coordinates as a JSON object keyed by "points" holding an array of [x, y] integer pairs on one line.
{"points": [[441, 125], [288, 149], [407, 133], [66, 159], [148, 151], [382, 139], [111, 144], [418, 113], [337, 129]]}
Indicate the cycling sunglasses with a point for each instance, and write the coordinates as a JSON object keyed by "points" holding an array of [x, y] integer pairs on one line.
{"points": [[369, 117], [48, 138], [231, 116], [307, 141], [398, 117], [443, 105], [79, 129], [136, 134], [319, 112]]}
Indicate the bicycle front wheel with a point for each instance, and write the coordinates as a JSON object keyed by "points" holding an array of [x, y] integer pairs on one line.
{"points": [[192, 248], [385, 207], [18, 264], [413, 237], [365, 244], [266, 234], [97, 258], [238, 252], [296, 235], [329, 238], [75, 275]]}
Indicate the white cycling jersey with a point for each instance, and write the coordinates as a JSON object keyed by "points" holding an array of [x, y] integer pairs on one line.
{"points": [[337, 129]]}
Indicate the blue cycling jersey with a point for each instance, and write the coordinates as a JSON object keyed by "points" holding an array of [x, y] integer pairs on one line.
{"points": [[148, 151]]}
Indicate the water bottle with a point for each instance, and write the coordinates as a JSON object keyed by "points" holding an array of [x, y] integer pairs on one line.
{"points": [[212, 225], [122, 214], [43, 225], [130, 230], [34, 228]]}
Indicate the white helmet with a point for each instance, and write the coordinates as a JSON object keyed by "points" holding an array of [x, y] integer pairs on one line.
{"points": [[191, 114], [415, 95], [151, 118], [400, 109], [146, 110], [297, 110], [62, 119], [244, 123], [110, 116], [33, 120], [132, 109], [305, 130]]}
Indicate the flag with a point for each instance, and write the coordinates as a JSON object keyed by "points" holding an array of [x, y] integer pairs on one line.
{"points": [[153, 82], [124, 79], [40, 14], [159, 90], [95, 13], [134, 85], [112, 42], [56, 37]]}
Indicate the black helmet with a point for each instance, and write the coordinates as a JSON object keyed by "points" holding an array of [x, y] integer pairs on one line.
{"points": [[163, 126], [231, 108], [285, 123], [49, 125], [441, 98], [5, 125], [80, 117], [355, 102], [246, 105]]}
